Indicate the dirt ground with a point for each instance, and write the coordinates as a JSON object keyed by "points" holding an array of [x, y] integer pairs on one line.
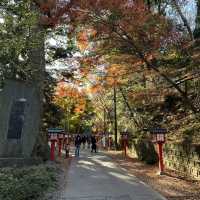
{"points": [[171, 185]]}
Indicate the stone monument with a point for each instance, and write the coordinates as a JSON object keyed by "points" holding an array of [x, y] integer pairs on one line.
{"points": [[19, 119]]}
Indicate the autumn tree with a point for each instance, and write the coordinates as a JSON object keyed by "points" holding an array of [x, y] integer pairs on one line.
{"points": [[133, 44], [75, 105], [131, 28]]}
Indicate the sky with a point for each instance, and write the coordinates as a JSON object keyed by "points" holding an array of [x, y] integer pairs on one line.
{"points": [[189, 11]]}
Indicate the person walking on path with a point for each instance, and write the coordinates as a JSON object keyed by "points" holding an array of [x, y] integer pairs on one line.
{"points": [[77, 145], [94, 144], [88, 142], [67, 149], [83, 141]]}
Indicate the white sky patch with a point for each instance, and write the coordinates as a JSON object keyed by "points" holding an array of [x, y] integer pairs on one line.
{"points": [[1, 20], [189, 11], [64, 64], [77, 55], [51, 42], [62, 41], [21, 58], [58, 41], [12, 2]]}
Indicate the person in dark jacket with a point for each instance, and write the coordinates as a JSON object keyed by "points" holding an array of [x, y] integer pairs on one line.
{"points": [[94, 144], [77, 145], [88, 142], [83, 141]]}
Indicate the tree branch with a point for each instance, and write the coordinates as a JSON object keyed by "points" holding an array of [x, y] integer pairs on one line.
{"points": [[129, 107]]}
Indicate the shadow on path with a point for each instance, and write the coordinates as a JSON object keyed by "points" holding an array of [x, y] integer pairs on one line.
{"points": [[97, 177]]}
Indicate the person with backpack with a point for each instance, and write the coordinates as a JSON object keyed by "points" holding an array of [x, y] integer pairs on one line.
{"points": [[88, 142]]}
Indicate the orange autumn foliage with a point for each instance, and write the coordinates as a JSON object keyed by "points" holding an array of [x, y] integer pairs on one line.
{"points": [[72, 95], [94, 89], [83, 38], [64, 90]]}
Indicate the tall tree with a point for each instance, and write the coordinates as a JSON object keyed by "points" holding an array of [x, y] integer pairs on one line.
{"points": [[197, 26]]}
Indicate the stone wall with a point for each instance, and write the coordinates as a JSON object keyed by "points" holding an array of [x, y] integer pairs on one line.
{"points": [[144, 150], [183, 158]]}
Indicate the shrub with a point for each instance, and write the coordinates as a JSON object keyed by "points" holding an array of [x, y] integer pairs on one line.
{"points": [[145, 151], [26, 183]]}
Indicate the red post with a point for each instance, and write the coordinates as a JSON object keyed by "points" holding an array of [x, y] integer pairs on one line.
{"points": [[59, 146], [52, 155], [161, 163]]}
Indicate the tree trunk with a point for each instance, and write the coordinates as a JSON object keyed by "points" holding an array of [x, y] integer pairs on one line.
{"points": [[115, 116], [104, 121], [197, 27], [129, 107], [37, 62]]}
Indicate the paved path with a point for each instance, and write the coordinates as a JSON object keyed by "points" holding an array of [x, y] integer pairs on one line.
{"points": [[97, 177]]}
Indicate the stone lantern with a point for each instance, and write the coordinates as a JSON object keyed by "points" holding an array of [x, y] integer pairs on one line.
{"points": [[158, 137]]}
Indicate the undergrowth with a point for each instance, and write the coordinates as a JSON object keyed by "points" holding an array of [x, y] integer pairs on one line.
{"points": [[28, 183]]}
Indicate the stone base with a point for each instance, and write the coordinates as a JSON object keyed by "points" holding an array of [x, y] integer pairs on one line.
{"points": [[19, 162]]}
